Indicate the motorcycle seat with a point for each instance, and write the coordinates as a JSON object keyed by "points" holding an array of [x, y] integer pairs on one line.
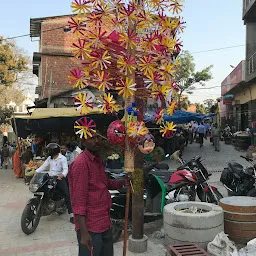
{"points": [[164, 175], [162, 166], [236, 168]]}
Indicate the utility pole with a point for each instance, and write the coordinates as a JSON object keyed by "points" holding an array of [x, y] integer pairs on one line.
{"points": [[50, 91]]}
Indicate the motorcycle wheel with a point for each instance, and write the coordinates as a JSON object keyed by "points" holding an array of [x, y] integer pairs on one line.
{"points": [[30, 219], [211, 198], [116, 233]]}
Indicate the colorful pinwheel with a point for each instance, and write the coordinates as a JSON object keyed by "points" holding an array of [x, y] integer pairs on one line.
{"points": [[176, 6], [126, 88], [147, 65], [81, 6], [100, 59], [168, 130], [77, 25], [81, 50], [77, 78], [136, 129], [102, 80], [171, 107], [128, 39], [160, 91], [85, 127], [84, 103], [109, 104], [127, 64], [159, 119], [128, 13], [153, 80], [96, 38]]}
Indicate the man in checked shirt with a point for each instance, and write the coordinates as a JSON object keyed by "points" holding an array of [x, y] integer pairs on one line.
{"points": [[91, 201]]}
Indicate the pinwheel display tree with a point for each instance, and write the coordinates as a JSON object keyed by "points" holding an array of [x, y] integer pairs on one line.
{"points": [[129, 47]]}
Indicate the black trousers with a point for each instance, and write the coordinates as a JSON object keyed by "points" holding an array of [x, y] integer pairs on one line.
{"points": [[102, 244], [62, 186], [201, 138]]}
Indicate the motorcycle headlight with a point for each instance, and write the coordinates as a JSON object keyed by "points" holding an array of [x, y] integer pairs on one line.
{"points": [[33, 187]]}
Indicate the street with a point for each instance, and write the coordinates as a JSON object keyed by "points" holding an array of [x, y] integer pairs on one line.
{"points": [[55, 235]]}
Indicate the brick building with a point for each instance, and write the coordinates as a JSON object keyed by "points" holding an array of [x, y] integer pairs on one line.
{"points": [[54, 57]]}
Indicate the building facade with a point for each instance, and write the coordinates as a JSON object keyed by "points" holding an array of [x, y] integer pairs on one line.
{"points": [[238, 90], [54, 60]]}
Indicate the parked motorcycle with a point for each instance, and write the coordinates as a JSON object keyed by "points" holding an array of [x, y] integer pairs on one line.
{"points": [[239, 181], [227, 135], [190, 179], [46, 200]]}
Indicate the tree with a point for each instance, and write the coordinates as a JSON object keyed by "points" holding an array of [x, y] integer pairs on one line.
{"points": [[200, 108], [184, 102], [12, 62], [209, 103], [187, 78]]}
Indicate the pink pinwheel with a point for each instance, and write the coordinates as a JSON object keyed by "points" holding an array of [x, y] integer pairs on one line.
{"points": [[85, 127], [178, 46]]}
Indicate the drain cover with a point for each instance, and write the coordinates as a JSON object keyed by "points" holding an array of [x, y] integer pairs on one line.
{"points": [[186, 250]]}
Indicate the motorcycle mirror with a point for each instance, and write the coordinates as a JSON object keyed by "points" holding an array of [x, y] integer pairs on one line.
{"points": [[167, 155]]}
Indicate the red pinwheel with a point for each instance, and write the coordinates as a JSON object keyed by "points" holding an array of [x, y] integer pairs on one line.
{"points": [[77, 78]]}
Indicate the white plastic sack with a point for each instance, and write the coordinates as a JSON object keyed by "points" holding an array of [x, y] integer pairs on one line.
{"points": [[221, 246], [249, 250]]}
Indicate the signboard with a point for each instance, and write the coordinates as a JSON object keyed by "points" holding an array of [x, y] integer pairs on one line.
{"points": [[236, 77], [228, 99]]}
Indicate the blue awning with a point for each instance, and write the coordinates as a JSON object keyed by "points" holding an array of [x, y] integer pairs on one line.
{"points": [[179, 117]]}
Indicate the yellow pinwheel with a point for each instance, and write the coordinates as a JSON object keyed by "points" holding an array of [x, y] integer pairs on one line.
{"points": [[126, 88], [171, 108], [100, 59], [109, 104], [176, 6], [168, 130], [81, 6], [126, 64], [147, 65]]}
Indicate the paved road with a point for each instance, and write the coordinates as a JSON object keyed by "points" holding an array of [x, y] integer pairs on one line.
{"points": [[55, 235]]}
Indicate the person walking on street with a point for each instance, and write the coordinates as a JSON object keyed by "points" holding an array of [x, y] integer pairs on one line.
{"points": [[91, 200], [58, 167], [201, 131], [6, 155], [195, 127], [216, 133]]}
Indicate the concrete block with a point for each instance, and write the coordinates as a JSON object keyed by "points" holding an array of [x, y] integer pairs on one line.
{"points": [[138, 245]]}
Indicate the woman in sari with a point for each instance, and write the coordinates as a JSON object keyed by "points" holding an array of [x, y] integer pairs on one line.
{"points": [[17, 167]]}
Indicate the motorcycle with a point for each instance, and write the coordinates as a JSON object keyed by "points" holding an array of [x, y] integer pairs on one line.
{"points": [[46, 200], [227, 135], [190, 179], [239, 181]]}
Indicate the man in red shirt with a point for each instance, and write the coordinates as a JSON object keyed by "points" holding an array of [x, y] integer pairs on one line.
{"points": [[91, 200]]}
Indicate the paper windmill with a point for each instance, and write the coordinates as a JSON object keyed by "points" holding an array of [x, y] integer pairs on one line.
{"points": [[136, 129], [109, 104], [176, 6], [171, 107], [85, 127], [102, 80], [83, 103], [77, 25], [126, 64], [168, 130], [147, 65], [77, 78], [159, 119], [126, 88], [100, 59], [81, 6]]}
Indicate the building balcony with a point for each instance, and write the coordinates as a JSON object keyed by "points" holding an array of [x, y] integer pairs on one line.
{"points": [[251, 68], [249, 10]]}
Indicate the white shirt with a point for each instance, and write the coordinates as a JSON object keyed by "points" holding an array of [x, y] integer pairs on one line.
{"points": [[57, 166]]}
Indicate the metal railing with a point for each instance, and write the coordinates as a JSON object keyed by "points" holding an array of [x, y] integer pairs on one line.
{"points": [[252, 64]]}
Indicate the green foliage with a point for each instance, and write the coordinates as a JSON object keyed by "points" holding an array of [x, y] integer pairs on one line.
{"points": [[209, 105], [12, 62], [187, 77], [200, 108]]}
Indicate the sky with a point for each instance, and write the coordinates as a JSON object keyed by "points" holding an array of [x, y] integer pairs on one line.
{"points": [[210, 25]]}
